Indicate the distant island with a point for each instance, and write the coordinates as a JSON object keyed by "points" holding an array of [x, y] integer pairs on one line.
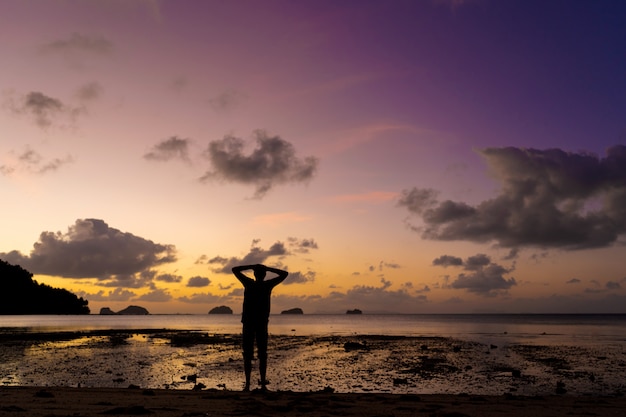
{"points": [[22, 295], [128, 311], [221, 310], [292, 311], [355, 311]]}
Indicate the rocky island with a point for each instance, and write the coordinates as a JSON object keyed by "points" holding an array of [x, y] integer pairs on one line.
{"points": [[292, 311], [221, 310], [355, 311], [128, 311]]}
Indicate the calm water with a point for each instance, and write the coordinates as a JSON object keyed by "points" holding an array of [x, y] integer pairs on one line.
{"points": [[515, 328]]}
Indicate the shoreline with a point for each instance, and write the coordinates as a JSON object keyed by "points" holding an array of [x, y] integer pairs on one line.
{"points": [[40, 402]]}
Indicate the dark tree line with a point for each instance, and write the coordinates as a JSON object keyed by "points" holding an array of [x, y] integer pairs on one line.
{"points": [[20, 294]]}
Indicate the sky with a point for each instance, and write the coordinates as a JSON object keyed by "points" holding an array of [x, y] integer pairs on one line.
{"points": [[434, 156]]}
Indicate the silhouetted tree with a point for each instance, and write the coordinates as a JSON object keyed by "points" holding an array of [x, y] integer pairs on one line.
{"points": [[20, 294]]}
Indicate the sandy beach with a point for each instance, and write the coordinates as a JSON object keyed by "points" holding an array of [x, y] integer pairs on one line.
{"points": [[182, 373], [166, 359], [58, 401]]}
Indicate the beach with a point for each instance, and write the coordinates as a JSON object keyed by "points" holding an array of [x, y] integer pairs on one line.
{"points": [[184, 360], [62, 401], [542, 366]]}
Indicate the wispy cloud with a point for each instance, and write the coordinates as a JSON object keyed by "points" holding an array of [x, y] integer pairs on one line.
{"points": [[30, 161], [168, 149], [81, 43]]}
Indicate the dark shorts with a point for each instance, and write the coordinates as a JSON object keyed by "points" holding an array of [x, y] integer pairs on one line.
{"points": [[252, 332]]}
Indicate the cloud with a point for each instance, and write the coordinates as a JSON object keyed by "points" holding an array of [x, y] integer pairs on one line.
{"points": [[548, 199], [157, 295], [198, 282], [171, 278], [298, 277], [486, 281], [612, 285], [227, 100], [45, 111], [79, 43], [301, 245], [272, 162], [89, 92], [484, 278], [118, 294], [32, 162], [205, 298], [256, 255], [374, 299], [172, 148], [573, 281], [92, 249], [447, 260]]}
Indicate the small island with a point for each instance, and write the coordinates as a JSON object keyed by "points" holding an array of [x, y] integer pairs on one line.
{"points": [[292, 311], [128, 311], [221, 310], [355, 311]]}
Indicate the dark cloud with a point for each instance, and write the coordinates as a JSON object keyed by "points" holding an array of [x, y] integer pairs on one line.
{"points": [[573, 281], [488, 280], [298, 277], [32, 162], [256, 255], [172, 148], [612, 285], [302, 245], [171, 278], [272, 162], [548, 198], [447, 260], [484, 277], [92, 249], [80, 43], [198, 282], [513, 254]]}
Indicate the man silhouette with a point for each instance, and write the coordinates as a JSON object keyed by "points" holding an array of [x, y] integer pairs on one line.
{"points": [[255, 316]]}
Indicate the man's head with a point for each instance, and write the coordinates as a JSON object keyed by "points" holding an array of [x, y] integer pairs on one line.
{"points": [[259, 272]]}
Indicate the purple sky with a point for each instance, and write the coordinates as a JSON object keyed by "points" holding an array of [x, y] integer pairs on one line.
{"points": [[394, 156]]}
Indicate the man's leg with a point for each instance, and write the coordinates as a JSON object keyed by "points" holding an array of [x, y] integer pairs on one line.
{"points": [[248, 353], [261, 343]]}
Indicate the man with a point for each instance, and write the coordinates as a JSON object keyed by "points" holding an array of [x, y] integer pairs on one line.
{"points": [[255, 316]]}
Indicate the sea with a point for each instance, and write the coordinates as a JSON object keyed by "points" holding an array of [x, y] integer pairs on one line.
{"points": [[545, 329]]}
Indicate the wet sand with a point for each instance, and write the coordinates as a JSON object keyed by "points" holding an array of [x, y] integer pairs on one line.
{"points": [[182, 360], [59, 401]]}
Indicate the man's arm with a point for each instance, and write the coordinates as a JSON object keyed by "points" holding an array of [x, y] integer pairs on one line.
{"points": [[241, 276], [281, 275]]}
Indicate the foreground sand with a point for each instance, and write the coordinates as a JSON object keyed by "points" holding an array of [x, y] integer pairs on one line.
{"points": [[59, 401]]}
